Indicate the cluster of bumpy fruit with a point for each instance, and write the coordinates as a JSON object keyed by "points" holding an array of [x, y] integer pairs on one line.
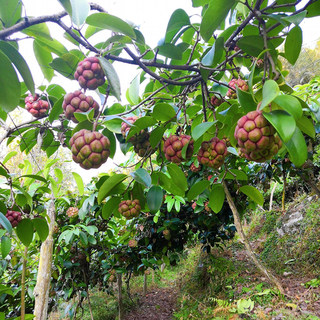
{"points": [[173, 147], [36, 106], [140, 141], [234, 83], [72, 212], [130, 208], [14, 217], [256, 137]]}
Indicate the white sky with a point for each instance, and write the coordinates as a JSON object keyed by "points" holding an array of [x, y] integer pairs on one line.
{"points": [[151, 16]]}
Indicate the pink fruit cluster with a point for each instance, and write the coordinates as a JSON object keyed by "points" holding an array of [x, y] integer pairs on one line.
{"points": [[132, 243], [195, 168], [78, 102], [173, 148], [234, 83], [130, 208], [215, 101], [212, 153], [256, 137], [89, 73], [72, 212], [89, 149], [14, 217], [37, 107]]}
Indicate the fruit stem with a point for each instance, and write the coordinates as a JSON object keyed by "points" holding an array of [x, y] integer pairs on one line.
{"points": [[243, 238]]}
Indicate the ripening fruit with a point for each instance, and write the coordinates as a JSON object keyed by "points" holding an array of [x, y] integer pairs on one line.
{"points": [[14, 217], [195, 168], [256, 137], [234, 83], [89, 73], [215, 101], [72, 212], [130, 208], [89, 149], [125, 127], [173, 148], [132, 243], [212, 153], [37, 107], [166, 234], [78, 102]]}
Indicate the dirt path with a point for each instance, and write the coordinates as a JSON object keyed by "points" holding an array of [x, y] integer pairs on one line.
{"points": [[158, 304]]}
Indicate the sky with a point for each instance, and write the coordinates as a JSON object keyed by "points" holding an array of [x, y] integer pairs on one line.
{"points": [[151, 16]]}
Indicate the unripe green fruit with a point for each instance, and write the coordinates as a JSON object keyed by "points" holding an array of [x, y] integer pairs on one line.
{"points": [[130, 208], [89, 149]]}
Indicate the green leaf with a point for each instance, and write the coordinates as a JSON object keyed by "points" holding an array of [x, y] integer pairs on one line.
{"points": [[66, 65], [112, 76], [293, 44], [155, 198], [9, 156], [79, 183], [24, 231], [142, 176], [178, 176], [5, 223], [306, 126], [283, 122], [297, 148], [9, 85], [246, 101], [5, 246], [169, 185], [216, 198], [197, 189], [163, 112], [252, 45], [56, 110], [178, 19], [171, 51], [133, 91], [41, 226], [253, 193], [35, 177], [10, 12], [297, 18], [213, 56], [107, 21], [112, 139], [44, 57], [201, 129], [38, 31], [313, 9], [80, 11], [110, 206], [19, 62], [214, 16], [156, 136], [109, 184], [290, 104], [269, 92]]}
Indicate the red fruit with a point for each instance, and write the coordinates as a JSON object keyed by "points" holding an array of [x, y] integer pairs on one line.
{"points": [[256, 137], [14, 217], [72, 212], [215, 101], [37, 107], [173, 148], [78, 102], [206, 207], [130, 208], [89, 149], [234, 83], [132, 243], [193, 168], [125, 127], [194, 204], [89, 73], [212, 153]]}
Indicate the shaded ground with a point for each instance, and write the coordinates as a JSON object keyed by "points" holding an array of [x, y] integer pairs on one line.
{"points": [[158, 304]]}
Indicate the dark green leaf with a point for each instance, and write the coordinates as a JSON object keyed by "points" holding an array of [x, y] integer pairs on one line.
{"points": [[283, 122], [41, 227], [216, 198], [163, 112], [214, 16], [290, 104], [213, 56], [25, 231], [112, 139], [142, 176], [9, 85], [110, 206], [297, 148], [107, 21], [197, 189], [19, 62], [253, 193], [269, 92], [313, 9], [171, 51], [201, 129], [66, 65], [178, 19], [156, 136], [5, 246], [112, 76], [306, 126], [44, 58], [178, 176], [109, 184], [155, 198], [34, 176], [246, 101], [169, 185], [56, 110], [293, 44], [253, 45]]}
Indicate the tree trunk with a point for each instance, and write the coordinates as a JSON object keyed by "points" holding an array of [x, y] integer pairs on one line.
{"points": [[245, 241], [41, 290], [119, 282]]}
